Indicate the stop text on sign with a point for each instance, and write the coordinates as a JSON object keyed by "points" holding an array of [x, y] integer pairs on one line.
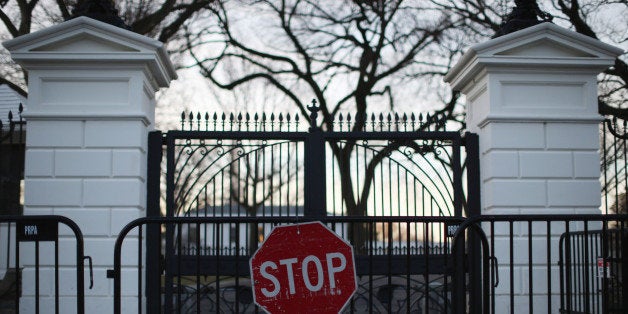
{"points": [[335, 263]]}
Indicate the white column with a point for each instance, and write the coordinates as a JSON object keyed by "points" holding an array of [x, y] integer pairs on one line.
{"points": [[532, 98], [90, 107]]}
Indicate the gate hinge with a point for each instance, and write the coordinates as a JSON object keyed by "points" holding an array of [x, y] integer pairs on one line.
{"points": [[111, 274]]}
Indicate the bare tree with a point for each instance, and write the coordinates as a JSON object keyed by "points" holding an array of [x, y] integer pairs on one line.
{"points": [[162, 20], [603, 19], [357, 56], [347, 55]]}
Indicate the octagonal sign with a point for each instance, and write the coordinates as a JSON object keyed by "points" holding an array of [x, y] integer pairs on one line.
{"points": [[303, 268]]}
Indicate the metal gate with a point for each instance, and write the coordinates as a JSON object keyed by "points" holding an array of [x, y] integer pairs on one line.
{"points": [[31, 261], [547, 262], [392, 185], [593, 270]]}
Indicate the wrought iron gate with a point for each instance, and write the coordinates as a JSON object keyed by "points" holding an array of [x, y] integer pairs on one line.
{"points": [[390, 184]]}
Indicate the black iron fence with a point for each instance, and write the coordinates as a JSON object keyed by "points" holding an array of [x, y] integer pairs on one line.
{"points": [[259, 165], [405, 261], [549, 263], [256, 171], [406, 265], [614, 165], [492, 264], [38, 277], [12, 148], [610, 270], [593, 270]]}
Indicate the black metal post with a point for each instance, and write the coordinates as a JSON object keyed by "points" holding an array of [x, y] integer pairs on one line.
{"points": [[170, 204], [623, 295], [314, 169], [458, 269], [472, 142], [456, 166], [474, 246], [153, 237], [459, 293]]}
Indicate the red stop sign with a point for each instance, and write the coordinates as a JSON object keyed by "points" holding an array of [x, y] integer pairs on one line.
{"points": [[303, 268]]}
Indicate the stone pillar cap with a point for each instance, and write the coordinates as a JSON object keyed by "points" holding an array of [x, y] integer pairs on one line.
{"points": [[537, 47], [84, 41]]}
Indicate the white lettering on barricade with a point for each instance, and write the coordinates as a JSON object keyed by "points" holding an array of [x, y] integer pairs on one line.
{"points": [[30, 230]]}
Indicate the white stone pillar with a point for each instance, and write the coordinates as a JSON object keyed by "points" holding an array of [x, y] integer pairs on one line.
{"points": [[90, 106], [532, 98]]}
